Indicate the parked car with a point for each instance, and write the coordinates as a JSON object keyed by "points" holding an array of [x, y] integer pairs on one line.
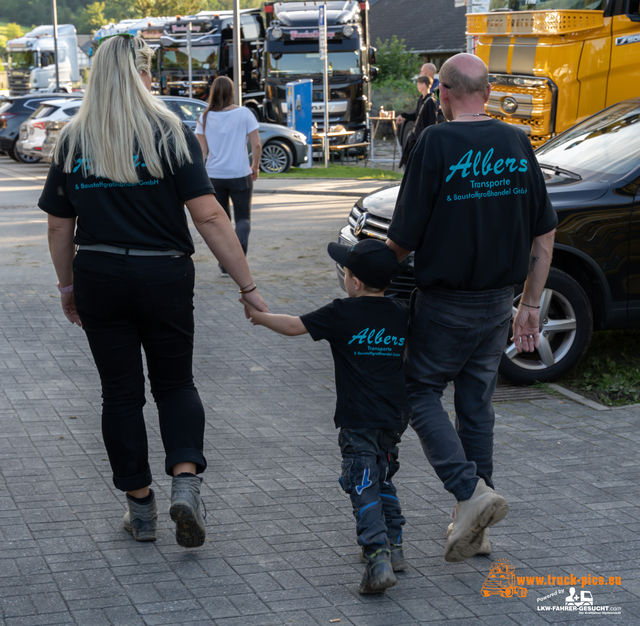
{"points": [[32, 132], [592, 173], [282, 148], [13, 111]]}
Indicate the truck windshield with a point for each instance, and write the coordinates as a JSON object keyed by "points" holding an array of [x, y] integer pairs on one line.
{"points": [[546, 5], [604, 147], [306, 63], [202, 58], [22, 60]]}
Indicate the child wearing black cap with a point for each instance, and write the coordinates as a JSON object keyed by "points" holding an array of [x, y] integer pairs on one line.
{"points": [[367, 334]]}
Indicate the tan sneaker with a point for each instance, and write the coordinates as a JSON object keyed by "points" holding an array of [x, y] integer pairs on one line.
{"points": [[485, 546], [470, 518]]}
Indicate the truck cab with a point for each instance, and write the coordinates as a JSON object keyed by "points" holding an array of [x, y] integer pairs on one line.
{"points": [[292, 53], [212, 54], [553, 63], [32, 60]]}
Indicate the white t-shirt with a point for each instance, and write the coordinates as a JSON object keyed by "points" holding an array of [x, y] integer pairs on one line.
{"points": [[226, 134]]}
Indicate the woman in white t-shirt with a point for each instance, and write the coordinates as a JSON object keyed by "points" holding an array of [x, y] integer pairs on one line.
{"points": [[222, 131]]}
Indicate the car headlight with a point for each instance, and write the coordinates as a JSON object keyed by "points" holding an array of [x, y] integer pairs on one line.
{"points": [[347, 31], [300, 136], [277, 33], [357, 137]]}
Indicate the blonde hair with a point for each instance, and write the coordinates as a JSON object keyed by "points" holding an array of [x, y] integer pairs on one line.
{"points": [[120, 120]]}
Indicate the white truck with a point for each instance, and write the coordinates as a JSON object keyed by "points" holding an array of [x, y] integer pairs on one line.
{"points": [[32, 65]]}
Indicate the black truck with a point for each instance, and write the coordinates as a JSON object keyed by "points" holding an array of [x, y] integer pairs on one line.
{"points": [[212, 54], [291, 52]]}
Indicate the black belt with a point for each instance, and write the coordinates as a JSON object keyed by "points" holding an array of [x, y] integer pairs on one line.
{"points": [[103, 247]]}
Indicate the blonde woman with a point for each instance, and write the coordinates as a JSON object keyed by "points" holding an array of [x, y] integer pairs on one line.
{"points": [[223, 130], [123, 170]]}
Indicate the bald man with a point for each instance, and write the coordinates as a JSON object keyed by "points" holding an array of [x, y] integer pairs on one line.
{"points": [[474, 207]]}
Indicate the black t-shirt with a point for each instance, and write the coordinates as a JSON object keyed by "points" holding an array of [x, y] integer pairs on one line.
{"points": [[368, 337], [147, 215], [471, 202]]}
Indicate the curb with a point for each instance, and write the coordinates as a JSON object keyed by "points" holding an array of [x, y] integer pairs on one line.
{"points": [[576, 397], [355, 194]]}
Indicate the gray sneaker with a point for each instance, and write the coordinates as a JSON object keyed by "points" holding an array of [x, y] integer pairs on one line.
{"points": [[470, 518], [187, 511], [141, 520], [485, 546]]}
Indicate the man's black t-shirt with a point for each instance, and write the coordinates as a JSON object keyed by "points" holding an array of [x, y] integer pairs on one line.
{"points": [[471, 202], [367, 337], [147, 215]]}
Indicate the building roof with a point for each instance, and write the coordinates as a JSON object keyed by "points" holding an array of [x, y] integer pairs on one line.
{"points": [[427, 26]]}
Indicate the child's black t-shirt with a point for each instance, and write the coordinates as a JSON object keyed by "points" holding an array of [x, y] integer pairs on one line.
{"points": [[368, 336]]}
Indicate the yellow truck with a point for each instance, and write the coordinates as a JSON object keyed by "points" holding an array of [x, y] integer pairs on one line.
{"points": [[553, 63]]}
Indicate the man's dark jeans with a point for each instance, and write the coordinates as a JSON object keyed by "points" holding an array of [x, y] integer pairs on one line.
{"points": [[128, 303], [457, 336], [369, 461]]}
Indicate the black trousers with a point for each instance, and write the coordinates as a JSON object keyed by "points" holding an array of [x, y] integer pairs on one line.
{"points": [[128, 304], [369, 461], [240, 191]]}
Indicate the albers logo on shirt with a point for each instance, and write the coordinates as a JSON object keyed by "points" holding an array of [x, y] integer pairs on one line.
{"points": [[484, 166], [481, 167], [371, 337]]}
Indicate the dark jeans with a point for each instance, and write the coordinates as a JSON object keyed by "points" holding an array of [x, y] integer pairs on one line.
{"points": [[127, 303], [457, 336], [369, 461], [240, 191]]}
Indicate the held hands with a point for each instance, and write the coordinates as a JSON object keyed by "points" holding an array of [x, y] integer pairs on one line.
{"points": [[399, 119], [526, 329], [253, 303], [69, 308]]}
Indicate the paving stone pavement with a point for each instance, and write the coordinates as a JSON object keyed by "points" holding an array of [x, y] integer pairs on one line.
{"points": [[281, 537]]}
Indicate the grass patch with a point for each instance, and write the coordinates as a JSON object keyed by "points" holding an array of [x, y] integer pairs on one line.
{"points": [[610, 371], [338, 171]]}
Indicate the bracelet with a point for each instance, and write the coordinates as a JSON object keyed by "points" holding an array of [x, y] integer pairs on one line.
{"points": [[67, 289], [248, 290], [529, 305], [243, 288]]}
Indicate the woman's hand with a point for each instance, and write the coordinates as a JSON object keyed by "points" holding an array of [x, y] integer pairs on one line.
{"points": [[69, 308], [254, 300]]}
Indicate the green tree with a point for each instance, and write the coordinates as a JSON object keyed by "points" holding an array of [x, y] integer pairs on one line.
{"points": [[395, 62], [13, 31], [91, 18]]}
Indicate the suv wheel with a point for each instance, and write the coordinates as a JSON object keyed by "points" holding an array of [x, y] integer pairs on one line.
{"points": [[23, 158], [276, 158], [566, 326]]}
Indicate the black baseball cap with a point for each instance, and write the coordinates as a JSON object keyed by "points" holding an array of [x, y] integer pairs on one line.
{"points": [[370, 260]]}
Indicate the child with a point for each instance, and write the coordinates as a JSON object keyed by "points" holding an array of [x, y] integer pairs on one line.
{"points": [[367, 334]]}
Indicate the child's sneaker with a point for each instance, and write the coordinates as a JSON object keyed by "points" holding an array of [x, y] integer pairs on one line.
{"points": [[398, 562], [378, 572]]}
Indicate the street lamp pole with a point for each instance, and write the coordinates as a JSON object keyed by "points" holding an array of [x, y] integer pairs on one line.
{"points": [[55, 43], [237, 58]]}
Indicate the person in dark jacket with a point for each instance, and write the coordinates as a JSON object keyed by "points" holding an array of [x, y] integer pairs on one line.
{"points": [[425, 115]]}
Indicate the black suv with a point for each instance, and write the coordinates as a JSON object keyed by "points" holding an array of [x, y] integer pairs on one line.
{"points": [[13, 111], [592, 173]]}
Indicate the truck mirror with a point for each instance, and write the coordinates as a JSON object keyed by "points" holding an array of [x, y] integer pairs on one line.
{"points": [[372, 54], [374, 71]]}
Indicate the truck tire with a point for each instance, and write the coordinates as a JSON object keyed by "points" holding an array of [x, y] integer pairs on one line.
{"points": [[276, 157], [566, 326]]}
